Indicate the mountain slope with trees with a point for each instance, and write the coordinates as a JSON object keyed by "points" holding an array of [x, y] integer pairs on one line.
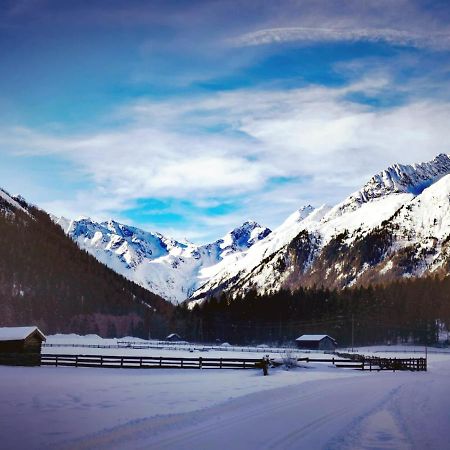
{"points": [[45, 279]]}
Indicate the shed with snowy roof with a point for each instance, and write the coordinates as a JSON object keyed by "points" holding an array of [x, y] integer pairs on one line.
{"points": [[21, 339], [173, 337], [316, 342]]}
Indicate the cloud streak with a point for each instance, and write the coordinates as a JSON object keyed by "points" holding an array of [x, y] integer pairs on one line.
{"points": [[437, 41]]}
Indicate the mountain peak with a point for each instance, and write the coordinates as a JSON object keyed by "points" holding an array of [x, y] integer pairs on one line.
{"points": [[401, 178], [297, 216], [398, 179], [247, 225], [241, 238], [246, 235]]}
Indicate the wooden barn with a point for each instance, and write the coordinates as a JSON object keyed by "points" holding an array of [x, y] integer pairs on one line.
{"points": [[21, 340], [316, 342], [173, 337]]}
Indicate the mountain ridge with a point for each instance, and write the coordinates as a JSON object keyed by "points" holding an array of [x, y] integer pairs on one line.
{"points": [[163, 265], [358, 241], [339, 248]]}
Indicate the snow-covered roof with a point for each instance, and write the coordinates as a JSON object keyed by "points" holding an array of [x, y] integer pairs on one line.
{"points": [[18, 333], [172, 335], [313, 337]]}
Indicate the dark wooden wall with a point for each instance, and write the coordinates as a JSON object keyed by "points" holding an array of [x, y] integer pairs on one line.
{"points": [[32, 344]]}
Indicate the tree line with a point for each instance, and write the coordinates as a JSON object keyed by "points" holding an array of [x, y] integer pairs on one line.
{"points": [[413, 310]]}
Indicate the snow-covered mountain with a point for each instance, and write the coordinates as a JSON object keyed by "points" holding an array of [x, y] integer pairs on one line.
{"points": [[396, 225], [164, 266]]}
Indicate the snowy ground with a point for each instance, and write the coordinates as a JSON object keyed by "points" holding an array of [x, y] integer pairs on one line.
{"points": [[74, 344], [313, 407]]}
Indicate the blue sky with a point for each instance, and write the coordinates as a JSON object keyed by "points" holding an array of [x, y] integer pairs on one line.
{"points": [[189, 117]]}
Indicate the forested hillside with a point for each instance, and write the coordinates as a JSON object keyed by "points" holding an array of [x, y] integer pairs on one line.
{"points": [[412, 311], [45, 279]]}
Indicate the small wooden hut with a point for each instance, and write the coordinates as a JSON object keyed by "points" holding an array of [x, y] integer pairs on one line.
{"points": [[20, 345], [173, 337], [316, 342]]}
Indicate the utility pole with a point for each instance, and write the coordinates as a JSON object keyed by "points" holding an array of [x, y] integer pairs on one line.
{"points": [[353, 333]]}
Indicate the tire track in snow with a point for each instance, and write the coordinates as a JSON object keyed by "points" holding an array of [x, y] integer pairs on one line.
{"points": [[305, 416], [229, 414], [379, 429]]}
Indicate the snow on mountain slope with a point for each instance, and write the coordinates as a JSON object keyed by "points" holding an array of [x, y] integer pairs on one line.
{"points": [[428, 215], [10, 202], [397, 179], [301, 249], [260, 266], [423, 228], [250, 259], [165, 266], [396, 225]]}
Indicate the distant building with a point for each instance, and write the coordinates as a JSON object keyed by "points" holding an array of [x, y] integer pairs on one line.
{"points": [[316, 342], [174, 337]]}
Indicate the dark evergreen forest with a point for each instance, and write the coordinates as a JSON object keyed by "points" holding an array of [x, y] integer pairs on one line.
{"points": [[404, 311], [46, 280]]}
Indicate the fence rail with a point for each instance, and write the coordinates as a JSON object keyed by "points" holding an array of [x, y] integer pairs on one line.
{"points": [[151, 362], [376, 363], [162, 345], [340, 360]]}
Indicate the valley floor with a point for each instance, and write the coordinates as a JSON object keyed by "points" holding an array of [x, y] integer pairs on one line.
{"points": [[314, 407]]}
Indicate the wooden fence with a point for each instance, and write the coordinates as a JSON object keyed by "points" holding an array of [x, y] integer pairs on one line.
{"points": [[162, 345], [376, 363], [20, 359], [152, 362], [341, 360], [337, 362]]}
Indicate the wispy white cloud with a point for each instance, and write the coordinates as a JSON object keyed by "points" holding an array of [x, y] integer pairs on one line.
{"points": [[424, 39]]}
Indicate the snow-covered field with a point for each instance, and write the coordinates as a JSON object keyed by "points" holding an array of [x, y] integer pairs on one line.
{"points": [[94, 345], [311, 407]]}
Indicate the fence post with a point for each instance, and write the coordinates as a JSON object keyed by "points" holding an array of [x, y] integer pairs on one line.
{"points": [[200, 362], [56, 361], [76, 361], [220, 363], [265, 366]]}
